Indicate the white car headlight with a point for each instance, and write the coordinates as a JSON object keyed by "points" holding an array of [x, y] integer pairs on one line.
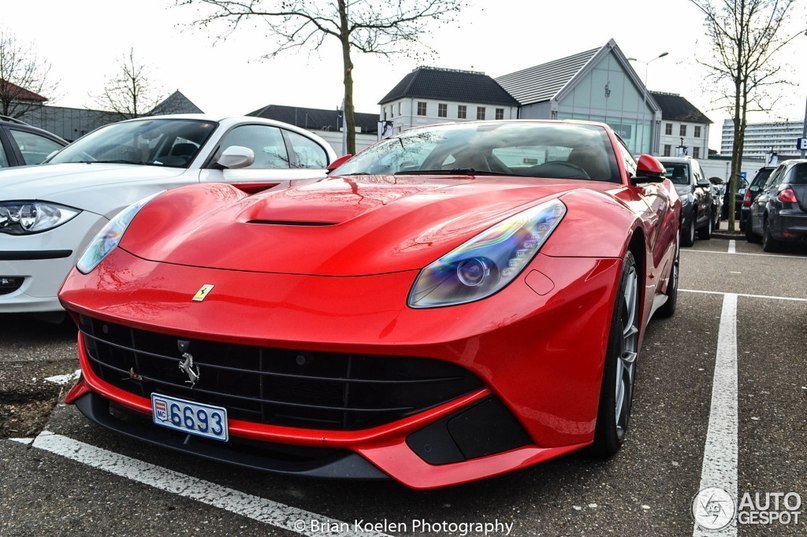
{"points": [[28, 217], [488, 262], [109, 237]]}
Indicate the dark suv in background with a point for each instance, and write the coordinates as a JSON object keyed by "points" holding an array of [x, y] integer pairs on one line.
{"points": [[21, 144], [695, 192], [779, 213], [751, 193]]}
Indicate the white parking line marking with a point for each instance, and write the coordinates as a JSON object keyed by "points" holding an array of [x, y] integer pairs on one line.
{"points": [[234, 501], [766, 297], [720, 453], [732, 247], [785, 256]]}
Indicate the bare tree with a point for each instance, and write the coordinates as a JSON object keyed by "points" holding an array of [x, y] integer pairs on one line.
{"points": [[23, 77], [746, 36], [130, 91], [381, 27]]}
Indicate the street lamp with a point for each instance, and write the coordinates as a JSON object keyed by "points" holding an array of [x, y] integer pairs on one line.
{"points": [[644, 85]]}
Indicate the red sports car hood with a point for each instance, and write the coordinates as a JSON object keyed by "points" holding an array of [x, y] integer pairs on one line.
{"points": [[335, 227]]}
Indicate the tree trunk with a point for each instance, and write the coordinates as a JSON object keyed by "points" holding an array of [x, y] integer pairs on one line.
{"points": [[347, 63]]}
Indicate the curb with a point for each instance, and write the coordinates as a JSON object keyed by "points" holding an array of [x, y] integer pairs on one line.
{"points": [[730, 235]]}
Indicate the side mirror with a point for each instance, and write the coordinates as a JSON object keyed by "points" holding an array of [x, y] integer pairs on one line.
{"points": [[338, 162], [235, 157], [648, 170]]}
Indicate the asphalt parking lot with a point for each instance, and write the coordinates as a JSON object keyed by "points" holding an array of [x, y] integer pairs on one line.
{"points": [[721, 400]]}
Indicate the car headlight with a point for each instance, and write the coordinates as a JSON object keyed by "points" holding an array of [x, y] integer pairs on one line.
{"points": [[28, 217], [109, 237], [488, 262]]}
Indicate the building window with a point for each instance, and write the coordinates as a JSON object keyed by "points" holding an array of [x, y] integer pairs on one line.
{"points": [[442, 110], [682, 131], [462, 111], [697, 131], [500, 113], [667, 150], [696, 151], [399, 109], [480, 112], [421, 108], [668, 129]]}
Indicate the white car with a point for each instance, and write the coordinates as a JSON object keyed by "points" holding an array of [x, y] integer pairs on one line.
{"points": [[49, 213]]}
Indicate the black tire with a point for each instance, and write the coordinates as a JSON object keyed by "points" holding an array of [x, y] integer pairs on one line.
{"points": [[705, 233], [750, 236], [668, 309], [611, 428], [688, 234], [769, 244]]}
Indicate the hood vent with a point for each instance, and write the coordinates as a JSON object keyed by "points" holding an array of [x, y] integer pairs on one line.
{"points": [[291, 223]]}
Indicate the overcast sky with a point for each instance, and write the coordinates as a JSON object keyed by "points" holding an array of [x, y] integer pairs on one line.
{"points": [[84, 39]]}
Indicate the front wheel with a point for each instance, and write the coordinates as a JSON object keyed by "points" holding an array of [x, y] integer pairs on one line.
{"points": [[668, 308], [705, 233], [688, 234], [769, 244], [619, 373], [750, 236]]}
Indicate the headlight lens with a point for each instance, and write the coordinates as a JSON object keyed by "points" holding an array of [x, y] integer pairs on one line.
{"points": [[110, 235], [488, 262], [28, 217]]}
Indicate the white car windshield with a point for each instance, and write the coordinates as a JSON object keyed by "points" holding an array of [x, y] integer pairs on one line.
{"points": [[156, 142]]}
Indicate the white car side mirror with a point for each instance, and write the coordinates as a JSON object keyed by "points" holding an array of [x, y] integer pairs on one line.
{"points": [[235, 157]]}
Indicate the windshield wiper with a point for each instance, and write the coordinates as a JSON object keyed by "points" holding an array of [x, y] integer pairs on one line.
{"points": [[119, 161], [456, 171]]}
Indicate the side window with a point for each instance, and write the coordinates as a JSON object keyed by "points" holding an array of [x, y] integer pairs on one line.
{"points": [[34, 148], [266, 142], [627, 159], [3, 158], [774, 179], [307, 153]]}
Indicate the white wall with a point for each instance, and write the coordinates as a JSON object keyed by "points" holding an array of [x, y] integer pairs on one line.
{"points": [[335, 139], [722, 168], [674, 139], [403, 112]]}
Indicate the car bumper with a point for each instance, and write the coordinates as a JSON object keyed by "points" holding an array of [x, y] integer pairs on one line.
{"points": [[789, 225], [523, 344], [36, 265], [745, 214]]}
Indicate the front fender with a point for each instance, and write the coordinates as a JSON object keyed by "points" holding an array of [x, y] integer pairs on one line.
{"points": [[596, 225]]}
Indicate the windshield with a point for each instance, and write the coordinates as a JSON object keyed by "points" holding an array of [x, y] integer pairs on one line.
{"points": [[523, 149], [762, 176], [678, 173], [157, 142]]}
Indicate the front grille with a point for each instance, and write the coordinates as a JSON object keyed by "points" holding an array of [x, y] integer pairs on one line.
{"points": [[294, 388]]}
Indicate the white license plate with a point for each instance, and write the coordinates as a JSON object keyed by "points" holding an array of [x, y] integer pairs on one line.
{"points": [[194, 418]]}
